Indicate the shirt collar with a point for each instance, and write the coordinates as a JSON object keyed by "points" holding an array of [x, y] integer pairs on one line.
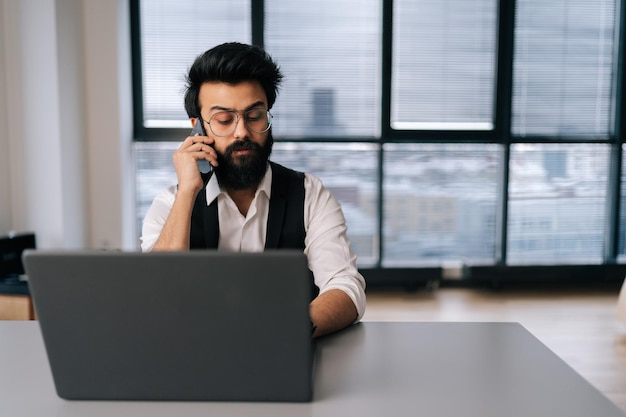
{"points": [[213, 188]]}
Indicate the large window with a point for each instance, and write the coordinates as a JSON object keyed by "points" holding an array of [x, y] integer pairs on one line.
{"points": [[483, 132], [330, 54], [444, 64], [563, 75], [349, 171], [440, 203], [173, 34], [557, 203]]}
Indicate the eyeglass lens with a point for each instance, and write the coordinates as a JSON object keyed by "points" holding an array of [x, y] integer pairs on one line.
{"points": [[223, 123]]}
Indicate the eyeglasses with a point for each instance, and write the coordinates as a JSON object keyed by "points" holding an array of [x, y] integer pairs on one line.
{"points": [[223, 123]]}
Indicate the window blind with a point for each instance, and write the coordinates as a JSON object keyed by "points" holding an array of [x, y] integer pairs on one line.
{"points": [[563, 62], [557, 203], [173, 34], [330, 53], [444, 64]]}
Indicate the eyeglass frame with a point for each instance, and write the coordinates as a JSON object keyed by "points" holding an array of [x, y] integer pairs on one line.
{"points": [[245, 121]]}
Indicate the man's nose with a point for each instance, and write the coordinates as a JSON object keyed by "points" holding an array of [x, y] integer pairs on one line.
{"points": [[241, 129]]}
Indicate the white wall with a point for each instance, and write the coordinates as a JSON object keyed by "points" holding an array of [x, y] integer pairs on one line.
{"points": [[109, 124], [66, 122], [5, 186]]}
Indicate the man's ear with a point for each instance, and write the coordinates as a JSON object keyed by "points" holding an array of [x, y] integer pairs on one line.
{"points": [[193, 121]]}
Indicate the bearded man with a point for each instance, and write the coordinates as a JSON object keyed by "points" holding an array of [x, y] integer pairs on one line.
{"points": [[247, 203]]}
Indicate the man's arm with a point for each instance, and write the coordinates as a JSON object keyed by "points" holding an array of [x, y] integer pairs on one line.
{"points": [[177, 227], [342, 288], [331, 311]]}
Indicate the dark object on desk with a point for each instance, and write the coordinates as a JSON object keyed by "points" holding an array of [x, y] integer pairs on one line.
{"points": [[11, 267], [199, 325]]}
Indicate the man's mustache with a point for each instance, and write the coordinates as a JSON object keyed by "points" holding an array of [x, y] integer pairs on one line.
{"points": [[242, 145]]}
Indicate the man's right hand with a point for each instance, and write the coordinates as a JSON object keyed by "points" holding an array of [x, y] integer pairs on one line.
{"points": [[186, 159]]}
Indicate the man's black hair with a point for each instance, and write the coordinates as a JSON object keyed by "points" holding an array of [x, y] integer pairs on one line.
{"points": [[232, 63]]}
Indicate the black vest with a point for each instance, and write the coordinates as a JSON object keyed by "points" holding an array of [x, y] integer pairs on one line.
{"points": [[285, 221]]}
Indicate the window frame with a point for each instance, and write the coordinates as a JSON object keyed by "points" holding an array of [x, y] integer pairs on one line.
{"points": [[500, 134]]}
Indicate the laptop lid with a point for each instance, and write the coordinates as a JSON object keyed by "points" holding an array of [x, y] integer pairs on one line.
{"points": [[198, 325]]}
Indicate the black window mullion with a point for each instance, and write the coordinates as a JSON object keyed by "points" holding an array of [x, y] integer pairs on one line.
{"points": [[613, 227], [380, 203], [385, 117], [504, 91], [257, 18], [386, 65], [620, 79], [504, 80], [137, 75]]}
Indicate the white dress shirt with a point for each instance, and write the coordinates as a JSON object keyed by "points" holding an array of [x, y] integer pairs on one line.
{"points": [[327, 246]]}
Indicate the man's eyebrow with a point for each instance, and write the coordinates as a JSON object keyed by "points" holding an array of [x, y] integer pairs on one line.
{"points": [[251, 106]]}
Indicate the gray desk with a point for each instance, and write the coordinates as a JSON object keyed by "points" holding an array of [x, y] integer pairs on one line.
{"points": [[372, 369]]}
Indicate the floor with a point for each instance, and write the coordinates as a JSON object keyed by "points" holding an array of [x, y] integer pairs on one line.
{"points": [[579, 324]]}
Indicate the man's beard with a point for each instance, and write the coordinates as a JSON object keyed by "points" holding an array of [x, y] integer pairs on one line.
{"points": [[246, 171]]}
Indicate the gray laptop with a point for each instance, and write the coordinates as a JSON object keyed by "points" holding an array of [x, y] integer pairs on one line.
{"points": [[199, 325]]}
